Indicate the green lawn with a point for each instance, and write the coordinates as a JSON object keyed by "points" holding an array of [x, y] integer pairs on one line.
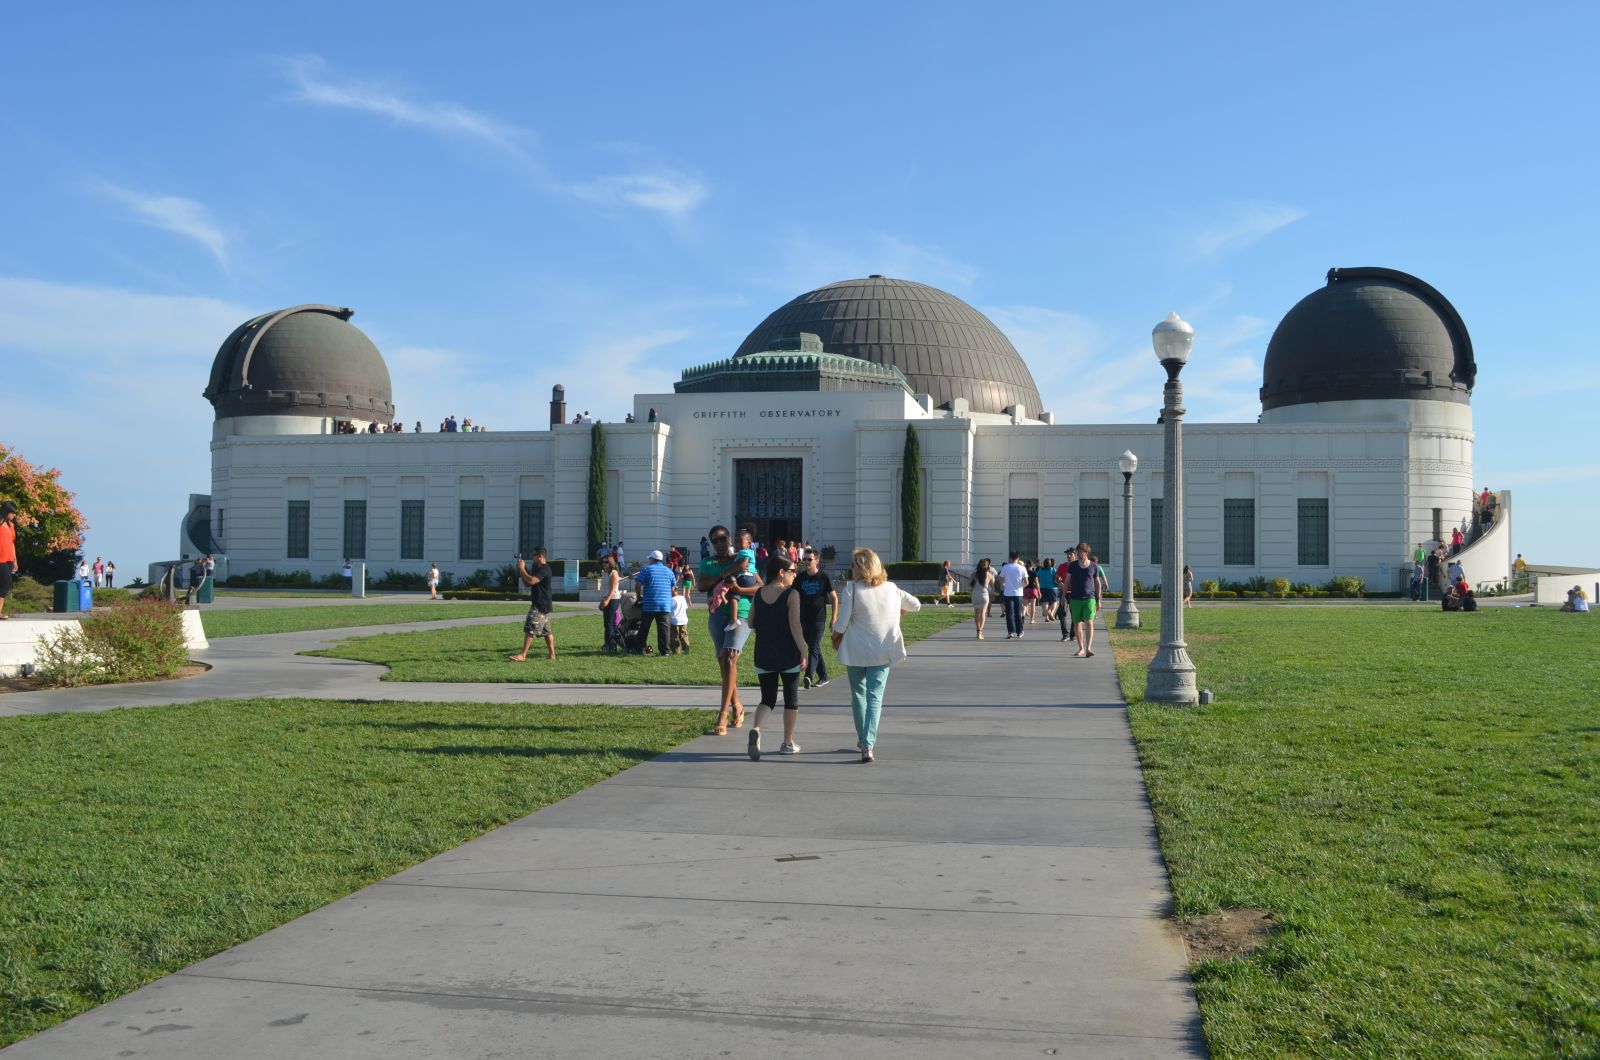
{"points": [[135, 842], [1416, 795], [478, 653], [334, 616]]}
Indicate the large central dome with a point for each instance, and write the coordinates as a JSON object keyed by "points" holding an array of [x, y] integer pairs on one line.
{"points": [[944, 346]]}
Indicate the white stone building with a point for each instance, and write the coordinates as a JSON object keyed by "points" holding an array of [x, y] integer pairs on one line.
{"points": [[1363, 448]]}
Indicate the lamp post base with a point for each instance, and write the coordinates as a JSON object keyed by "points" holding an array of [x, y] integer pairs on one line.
{"points": [[1170, 678], [1128, 615]]}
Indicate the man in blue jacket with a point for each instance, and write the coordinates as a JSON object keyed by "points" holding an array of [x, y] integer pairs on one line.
{"points": [[654, 582]]}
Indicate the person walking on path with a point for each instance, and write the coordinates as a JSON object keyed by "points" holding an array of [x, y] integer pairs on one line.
{"points": [[1069, 629], [99, 572], [610, 606], [654, 581], [1047, 588], [817, 595], [1188, 586], [1081, 589], [947, 585], [713, 571], [111, 575], [433, 581], [1031, 593], [866, 634], [8, 553], [780, 651], [537, 624], [1013, 581], [982, 586]]}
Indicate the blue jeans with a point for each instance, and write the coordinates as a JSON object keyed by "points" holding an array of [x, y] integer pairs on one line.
{"points": [[610, 615], [816, 665], [1013, 606], [866, 700]]}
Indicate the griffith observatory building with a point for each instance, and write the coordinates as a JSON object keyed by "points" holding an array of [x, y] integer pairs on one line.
{"points": [[1363, 448]]}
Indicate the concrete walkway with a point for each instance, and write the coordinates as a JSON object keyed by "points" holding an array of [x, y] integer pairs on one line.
{"points": [[990, 888]]}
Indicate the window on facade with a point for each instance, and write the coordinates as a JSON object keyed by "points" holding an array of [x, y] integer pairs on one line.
{"points": [[1314, 532], [1094, 527], [1023, 533], [1157, 530], [530, 526], [220, 536], [412, 514], [1239, 532], [299, 543], [355, 529], [471, 529]]}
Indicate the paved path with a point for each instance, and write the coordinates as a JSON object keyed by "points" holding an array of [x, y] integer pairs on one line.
{"points": [[991, 888]]}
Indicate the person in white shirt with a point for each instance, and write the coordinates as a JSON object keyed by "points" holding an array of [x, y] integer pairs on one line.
{"points": [[433, 581], [866, 634], [1013, 579], [680, 621]]}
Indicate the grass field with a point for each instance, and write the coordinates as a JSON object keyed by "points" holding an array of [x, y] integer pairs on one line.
{"points": [[1416, 796], [333, 616], [136, 842], [478, 653]]}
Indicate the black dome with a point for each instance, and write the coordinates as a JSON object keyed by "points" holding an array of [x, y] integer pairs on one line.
{"points": [[1370, 333], [944, 346], [305, 361]]}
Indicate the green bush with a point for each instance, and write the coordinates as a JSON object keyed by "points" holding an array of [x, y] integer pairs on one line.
{"points": [[1210, 585], [139, 641], [1280, 587], [29, 595], [1348, 584], [267, 578]]}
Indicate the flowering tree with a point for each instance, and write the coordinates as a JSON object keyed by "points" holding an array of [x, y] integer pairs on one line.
{"points": [[49, 526]]}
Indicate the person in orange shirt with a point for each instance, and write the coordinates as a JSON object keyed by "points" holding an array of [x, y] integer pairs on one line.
{"points": [[8, 553]]}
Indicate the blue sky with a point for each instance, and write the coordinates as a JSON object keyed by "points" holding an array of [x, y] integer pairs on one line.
{"points": [[513, 198]]}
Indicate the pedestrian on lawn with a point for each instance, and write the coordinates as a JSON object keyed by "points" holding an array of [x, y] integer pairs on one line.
{"points": [[537, 624], [867, 636], [610, 606], [654, 582]]}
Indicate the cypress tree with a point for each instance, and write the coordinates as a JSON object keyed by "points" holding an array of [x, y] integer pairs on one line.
{"points": [[911, 498], [597, 487]]}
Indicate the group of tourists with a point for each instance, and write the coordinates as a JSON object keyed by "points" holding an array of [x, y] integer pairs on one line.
{"points": [[1069, 593], [101, 574]]}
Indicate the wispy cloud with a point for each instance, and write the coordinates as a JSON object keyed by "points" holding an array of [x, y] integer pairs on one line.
{"points": [[1245, 224], [659, 189], [171, 213], [308, 76], [674, 194]]}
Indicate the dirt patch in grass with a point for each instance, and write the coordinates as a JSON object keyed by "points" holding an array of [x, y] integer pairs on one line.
{"points": [[1139, 646], [1226, 934], [23, 684]]}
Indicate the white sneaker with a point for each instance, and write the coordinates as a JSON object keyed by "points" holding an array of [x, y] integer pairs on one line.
{"points": [[789, 748]]}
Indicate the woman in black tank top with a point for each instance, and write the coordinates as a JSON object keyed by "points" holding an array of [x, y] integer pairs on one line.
{"points": [[780, 651]]}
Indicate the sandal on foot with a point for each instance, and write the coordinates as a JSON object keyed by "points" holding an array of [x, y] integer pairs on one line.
{"points": [[738, 718]]}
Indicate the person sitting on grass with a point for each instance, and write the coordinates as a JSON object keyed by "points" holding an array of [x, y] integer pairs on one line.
{"points": [[1577, 601], [1451, 601], [537, 624]]}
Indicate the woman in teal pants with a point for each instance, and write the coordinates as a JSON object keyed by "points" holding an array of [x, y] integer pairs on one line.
{"points": [[866, 634]]}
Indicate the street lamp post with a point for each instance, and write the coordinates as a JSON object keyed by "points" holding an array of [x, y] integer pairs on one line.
{"points": [[1128, 613], [1170, 678]]}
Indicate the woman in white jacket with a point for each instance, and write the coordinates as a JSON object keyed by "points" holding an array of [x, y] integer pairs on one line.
{"points": [[866, 634]]}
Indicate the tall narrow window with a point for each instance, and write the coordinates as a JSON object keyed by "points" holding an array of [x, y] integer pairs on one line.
{"points": [[1023, 531], [412, 514], [1313, 532], [1239, 532], [355, 529], [299, 543], [530, 526], [1157, 530], [1094, 526], [471, 529]]}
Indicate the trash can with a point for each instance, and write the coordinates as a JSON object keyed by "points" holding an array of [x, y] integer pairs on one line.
{"points": [[65, 598], [208, 591], [85, 594]]}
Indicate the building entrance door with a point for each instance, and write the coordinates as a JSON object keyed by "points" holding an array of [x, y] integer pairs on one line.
{"points": [[767, 496]]}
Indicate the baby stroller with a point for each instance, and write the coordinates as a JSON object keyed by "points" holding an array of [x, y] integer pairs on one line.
{"points": [[633, 630]]}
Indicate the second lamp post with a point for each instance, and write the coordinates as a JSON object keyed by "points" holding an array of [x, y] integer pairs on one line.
{"points": [[1128, 613]]}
